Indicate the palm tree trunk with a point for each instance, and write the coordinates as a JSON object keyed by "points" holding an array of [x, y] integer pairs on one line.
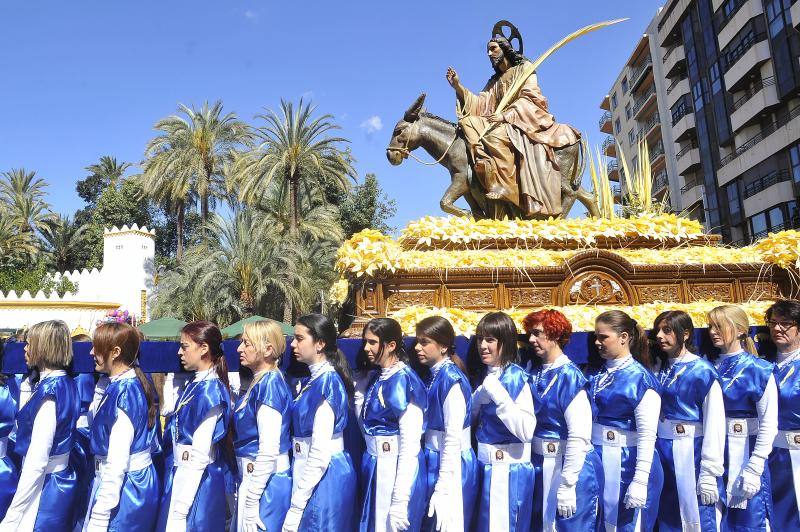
{"points": [[179, 223], [294, 212], [287, 311]]}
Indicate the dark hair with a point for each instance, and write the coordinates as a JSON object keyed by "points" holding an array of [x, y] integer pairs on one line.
{"points": [[205, 332], [500, 325], [322, 329], [514, 58], [622, 323], [554, 324], [681, 323], [788, 308], [441, 331], [387, 330], [107, 336]]}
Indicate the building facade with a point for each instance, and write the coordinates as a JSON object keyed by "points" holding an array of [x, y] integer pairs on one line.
{"points": [[732, 74]]}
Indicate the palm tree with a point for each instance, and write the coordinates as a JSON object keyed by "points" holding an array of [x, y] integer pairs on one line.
{"points": [[21, 193], [19, 182], [108, 169], [63, 240], [175, 195], [293, 147], [14, 246], [190, 154]]}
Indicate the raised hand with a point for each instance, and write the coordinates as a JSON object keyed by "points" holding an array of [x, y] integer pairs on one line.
{"points": [[452, 77]]}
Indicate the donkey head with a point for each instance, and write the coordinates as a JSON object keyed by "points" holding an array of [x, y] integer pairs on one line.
{"points": [[404, 136]]}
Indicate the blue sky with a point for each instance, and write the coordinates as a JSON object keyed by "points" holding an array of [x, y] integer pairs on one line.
{"points": [[82, 79]]}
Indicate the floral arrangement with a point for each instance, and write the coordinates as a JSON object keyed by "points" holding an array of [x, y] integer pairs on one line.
{"points": [[337, 295], [581, 316], [781, 249], [117, 316]]}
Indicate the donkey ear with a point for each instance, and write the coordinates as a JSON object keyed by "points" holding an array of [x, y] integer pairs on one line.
{"points": [[412, 114]]}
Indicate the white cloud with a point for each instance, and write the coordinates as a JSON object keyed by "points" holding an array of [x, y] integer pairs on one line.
{"points": [[250, 15], [372, 124]]}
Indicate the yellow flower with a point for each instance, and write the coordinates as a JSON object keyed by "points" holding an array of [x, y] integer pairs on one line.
{"points": [[338, 292]]}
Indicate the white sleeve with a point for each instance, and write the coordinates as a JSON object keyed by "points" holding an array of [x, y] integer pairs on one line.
{"points": [[189, 477], [578, 416], [113, 474], [408, 449], [454, 410], [518, 416], [319, 456], [646, 414], [359, 394], [712, 454], [767, 408], [269, 443], [34, 464], [173, 383]]}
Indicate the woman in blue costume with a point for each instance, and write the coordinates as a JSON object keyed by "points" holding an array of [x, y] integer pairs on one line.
{"points": [[8, 412], [502, 407], [625, 408], [45, 494], [569, 475], [783, 318], [324, 493], [452, 467], [125, 491], [194, 494], [691, 433], [262, 419], [393, 480], [751, 415]]}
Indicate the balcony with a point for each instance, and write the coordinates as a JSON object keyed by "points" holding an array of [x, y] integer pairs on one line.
{"points": [[671, 14], [609, 147], [795, 12], [613, 170], [605, 105], [638, 76], [678, 88], [660, 183], [674, 60], [649, 127], [683, 128], [760, 136], [750, 54], [763, 183], [692, 192], [605, 123], [656, 154], [762, 95], [743, 11], [788, 224], [688, 158], [643, 102]]}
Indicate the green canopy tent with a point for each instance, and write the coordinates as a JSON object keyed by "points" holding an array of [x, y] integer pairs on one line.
{"points": [[236, 329], [162, 329]]}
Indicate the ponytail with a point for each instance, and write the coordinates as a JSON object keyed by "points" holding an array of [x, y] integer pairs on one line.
{"points": [[150, 394], [323, 330], [620, 323], [339, 362]]}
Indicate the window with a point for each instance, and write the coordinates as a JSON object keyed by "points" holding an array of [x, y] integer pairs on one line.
{"points": [[774, 16], [697, 95], [734, 204], [625, 84], [628, 111], [758, 224], [614, 101], [794, 159], [775, 217], [631, 138], [716, 80], [634, 162], [617, 126]]}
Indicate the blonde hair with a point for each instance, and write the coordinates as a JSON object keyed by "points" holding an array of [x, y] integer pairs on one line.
{"points": [[732, 323], [265, 333], [49, 345]]}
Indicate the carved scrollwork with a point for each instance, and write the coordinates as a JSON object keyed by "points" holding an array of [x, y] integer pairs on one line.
{"points": [[530, 297], [476, 298], [669, 293], [408, 298], [711, 291], [760, 291]]}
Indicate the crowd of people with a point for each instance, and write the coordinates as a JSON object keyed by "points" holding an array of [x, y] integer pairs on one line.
{"points": [[661, 437]]}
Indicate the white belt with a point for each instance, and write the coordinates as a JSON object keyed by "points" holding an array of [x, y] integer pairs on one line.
{"points": [[136, 462], [3, 447], [682, 435], [509, 453], [501, 457], [382, 445], [434, 439], [83, 421], [790, 440], [613, 437], [669, 429], [186, 456], [739, 431], [302, 445], [247, 464], [552, 453], [57, 463]]}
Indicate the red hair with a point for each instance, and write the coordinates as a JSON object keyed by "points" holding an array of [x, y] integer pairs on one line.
{"points": [[555, 325]]}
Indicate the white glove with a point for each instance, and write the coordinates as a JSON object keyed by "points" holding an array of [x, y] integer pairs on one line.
{"points": [[566, 500], [438, 508], [398, 517], [748, 483], [95, 525], [292, 521], [251, 520], [177, 524], [636, 497], [707, 489]]}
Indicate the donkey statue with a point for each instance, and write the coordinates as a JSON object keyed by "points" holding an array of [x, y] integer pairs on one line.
{"points": [[441, 139]]}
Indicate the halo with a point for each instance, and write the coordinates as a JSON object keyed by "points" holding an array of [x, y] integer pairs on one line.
{"points": [[513, 33]]}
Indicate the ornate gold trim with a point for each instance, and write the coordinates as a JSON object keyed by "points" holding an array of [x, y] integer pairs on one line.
{"points": [[77, 305]]}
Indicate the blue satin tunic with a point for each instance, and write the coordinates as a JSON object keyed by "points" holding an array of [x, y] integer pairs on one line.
{"points": [[614, 400], [139, 498], [553, 390], [333, 503], [81, 457], [385, 402], [207, 513], [56, 504], [273, 392], [684, 388], [9, 474], [786, 514], [440, 385], [491, 430], [744, 379]]}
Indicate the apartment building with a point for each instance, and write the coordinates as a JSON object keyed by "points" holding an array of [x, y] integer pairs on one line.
{"points": [[635, 107], [732, 74]]}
